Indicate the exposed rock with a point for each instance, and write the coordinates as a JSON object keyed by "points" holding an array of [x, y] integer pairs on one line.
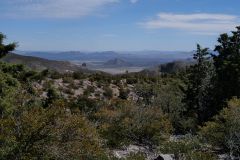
{"points": [[134, 149]]}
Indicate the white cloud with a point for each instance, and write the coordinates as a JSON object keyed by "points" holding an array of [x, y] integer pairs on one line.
{"points": [[133, 1], [200, 23], [109, 35], [54, 8]]}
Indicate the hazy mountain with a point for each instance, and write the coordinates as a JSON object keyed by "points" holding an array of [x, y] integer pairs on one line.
{"points": [[116, 63], [108, 60], [73, 55], [137, 58]]}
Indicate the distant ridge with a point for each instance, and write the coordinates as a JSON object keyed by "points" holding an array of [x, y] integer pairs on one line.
{"points": [[133, 57], [117, 62]]}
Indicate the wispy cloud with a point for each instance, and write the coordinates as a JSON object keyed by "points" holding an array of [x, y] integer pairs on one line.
{"points": [[200, 23], [54, 8], [133, 1], [109, 35]]}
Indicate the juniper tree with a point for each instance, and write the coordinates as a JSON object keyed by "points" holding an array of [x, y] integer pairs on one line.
{"points": [[5, 49]]}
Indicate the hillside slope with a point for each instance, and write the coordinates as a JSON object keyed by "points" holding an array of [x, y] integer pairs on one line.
{"points": [[41, 64], [170, 68]]}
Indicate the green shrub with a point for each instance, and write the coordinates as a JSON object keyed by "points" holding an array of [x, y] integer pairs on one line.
{"points": [[88, 91], [123, 93], [188, 148], [198, 155], [136, 156], [108, 92], [55, 75], [79, 75], [131, 80], [223, 131], [50, 133], [68, 80], [124, 123]]}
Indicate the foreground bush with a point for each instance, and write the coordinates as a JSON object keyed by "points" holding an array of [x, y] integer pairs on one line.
{"points": [[52, 133], [224, 131], [126, 123]]}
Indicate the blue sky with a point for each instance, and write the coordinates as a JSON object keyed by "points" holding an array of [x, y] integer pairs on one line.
{"points": [[119, 25]]}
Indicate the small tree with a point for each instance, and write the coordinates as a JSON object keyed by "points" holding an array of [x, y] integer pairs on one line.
{"points": [[5, 49], [52, 96]]}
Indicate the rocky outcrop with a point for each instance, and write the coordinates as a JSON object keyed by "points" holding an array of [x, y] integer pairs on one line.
{"points": [[134, 149]]}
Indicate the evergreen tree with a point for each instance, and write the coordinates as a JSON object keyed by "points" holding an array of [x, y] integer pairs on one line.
{"points": [[4, 49], [198, 86], [227, 64]]}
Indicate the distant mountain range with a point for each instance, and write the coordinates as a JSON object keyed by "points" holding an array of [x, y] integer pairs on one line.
{"points": [[108, 61], [136, 58], [116, 63]]}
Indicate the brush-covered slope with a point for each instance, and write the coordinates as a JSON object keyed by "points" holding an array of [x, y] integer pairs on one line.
{"points": [[41, 64]]}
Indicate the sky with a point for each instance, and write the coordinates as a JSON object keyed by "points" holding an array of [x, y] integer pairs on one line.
{"points": [[118, 25]]}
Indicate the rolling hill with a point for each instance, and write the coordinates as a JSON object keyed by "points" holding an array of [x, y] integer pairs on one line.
{"points": [[41, 63]]}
